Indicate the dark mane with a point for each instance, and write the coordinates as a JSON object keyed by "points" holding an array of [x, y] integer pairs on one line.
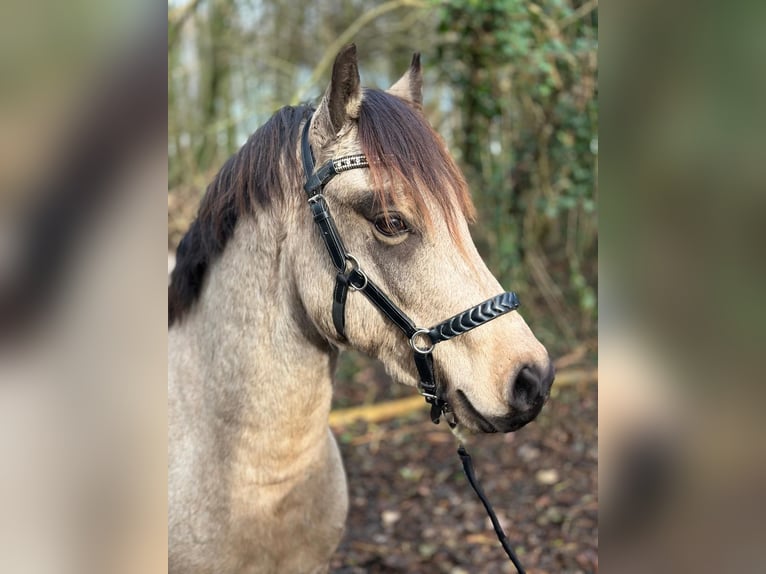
{"points": [[404, 153], [250, 178]]}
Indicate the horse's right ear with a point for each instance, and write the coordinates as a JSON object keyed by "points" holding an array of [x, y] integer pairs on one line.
{"points": [[410, 85], [343, 98]]}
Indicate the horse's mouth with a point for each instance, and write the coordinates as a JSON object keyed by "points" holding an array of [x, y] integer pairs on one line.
{"points": [[468, 417]]}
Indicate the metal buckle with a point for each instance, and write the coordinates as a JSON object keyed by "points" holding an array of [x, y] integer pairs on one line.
{"points": [[315, 198], [422, 351], [427, 389]]}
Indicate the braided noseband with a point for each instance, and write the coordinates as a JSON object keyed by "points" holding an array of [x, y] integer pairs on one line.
{"points": [[474, 317]]}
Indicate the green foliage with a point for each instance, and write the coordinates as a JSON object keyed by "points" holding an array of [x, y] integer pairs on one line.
{"points": [[524, 78]]}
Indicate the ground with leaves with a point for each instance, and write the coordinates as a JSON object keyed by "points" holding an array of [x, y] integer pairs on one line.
{"points": [[412, 510]]}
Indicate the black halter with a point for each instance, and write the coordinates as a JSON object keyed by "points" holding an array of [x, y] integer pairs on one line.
{"points": [[350, 276]]}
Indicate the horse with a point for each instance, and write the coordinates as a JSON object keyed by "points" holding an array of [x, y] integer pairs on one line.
{"points": [[258, 314]]}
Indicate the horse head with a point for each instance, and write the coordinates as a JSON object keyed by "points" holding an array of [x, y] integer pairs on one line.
{"points": [[405, 218]]}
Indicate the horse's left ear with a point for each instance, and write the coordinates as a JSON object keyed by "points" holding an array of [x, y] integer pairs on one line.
{"points": [[343, 98], [410, 85]]}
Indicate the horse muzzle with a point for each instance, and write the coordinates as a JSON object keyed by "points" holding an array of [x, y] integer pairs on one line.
{"points": [[527, 394]]}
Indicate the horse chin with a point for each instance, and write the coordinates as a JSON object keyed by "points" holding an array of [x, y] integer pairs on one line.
{"points": [[468, 418]]}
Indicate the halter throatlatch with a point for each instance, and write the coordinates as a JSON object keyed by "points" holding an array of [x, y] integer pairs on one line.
{"points": [[351, 277]]}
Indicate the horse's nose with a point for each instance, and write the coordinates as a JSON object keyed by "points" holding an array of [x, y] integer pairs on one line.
{"points": [[531, 387]]}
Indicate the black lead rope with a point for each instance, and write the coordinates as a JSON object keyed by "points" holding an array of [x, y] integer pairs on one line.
{"points": [[465, 458]]}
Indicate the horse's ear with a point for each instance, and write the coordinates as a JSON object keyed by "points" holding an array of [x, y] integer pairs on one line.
{"points": [[343, 98], [410, 85]]}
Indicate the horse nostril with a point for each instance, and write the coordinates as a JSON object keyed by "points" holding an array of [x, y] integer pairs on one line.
{"points": [[527, 390]]}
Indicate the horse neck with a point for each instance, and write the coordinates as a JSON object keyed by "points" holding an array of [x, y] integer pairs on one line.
{"points": [[265, 371]]}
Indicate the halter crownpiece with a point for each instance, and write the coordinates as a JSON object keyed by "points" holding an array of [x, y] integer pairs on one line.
{"points": [[351, 277]]}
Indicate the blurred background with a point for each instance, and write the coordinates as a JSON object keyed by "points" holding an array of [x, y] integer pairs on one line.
{"points": [[511, 85], [85, 170]]}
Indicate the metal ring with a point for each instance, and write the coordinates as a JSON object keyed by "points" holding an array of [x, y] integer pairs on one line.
{"points": [[351, 259], [363, 285], [418, 349]]}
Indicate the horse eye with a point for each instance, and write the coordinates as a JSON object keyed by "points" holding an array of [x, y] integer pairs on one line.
{"points": [[391, 225]]}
